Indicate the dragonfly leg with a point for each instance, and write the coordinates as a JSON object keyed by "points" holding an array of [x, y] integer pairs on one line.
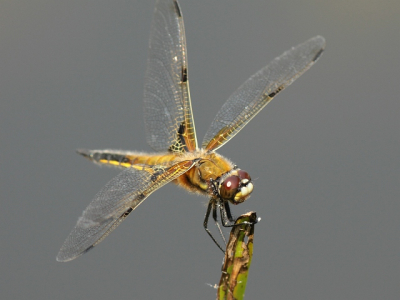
{"points": [[211, 205], [227, 218], [217, 224]]}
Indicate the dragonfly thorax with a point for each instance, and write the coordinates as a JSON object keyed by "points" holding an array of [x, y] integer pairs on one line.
{"points": [[218, 177]]}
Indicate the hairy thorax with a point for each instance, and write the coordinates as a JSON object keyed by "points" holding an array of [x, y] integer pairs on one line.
{"points": [[210, 167]]}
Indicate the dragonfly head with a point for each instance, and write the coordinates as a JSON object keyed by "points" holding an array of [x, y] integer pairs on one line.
{"points": [[235, 186]]}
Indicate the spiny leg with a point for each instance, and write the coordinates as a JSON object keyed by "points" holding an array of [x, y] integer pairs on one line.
{"points": [[211, 205], [216, 222], [226, 216]]}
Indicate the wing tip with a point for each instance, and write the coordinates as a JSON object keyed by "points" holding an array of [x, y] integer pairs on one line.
{"points": [[321, 43], [321, 40], [317, 43], [64, 257], [177, 8]]}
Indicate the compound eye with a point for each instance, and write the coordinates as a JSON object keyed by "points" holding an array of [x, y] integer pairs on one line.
{"points": [[229, 187], [243, 175]]}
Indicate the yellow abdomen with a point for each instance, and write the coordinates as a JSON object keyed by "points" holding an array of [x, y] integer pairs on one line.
{"points": [[195, 180]]}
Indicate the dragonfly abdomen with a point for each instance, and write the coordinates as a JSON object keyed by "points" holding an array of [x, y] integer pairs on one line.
{"points": [[196, 180], [125, 159]]}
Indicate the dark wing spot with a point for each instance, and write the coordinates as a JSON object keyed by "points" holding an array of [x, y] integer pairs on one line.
{"points": [[129, 210], [155, 175], [180, 140], [274, 93], [318, 55], [184, 75], [181, 131], [177, 9], [90, 248]]}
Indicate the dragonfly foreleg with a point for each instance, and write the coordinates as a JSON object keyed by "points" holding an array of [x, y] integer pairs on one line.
{"points": [[226, 216]]}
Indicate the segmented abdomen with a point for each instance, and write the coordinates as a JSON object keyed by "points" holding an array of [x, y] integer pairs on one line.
{"points": [[126, 159]]}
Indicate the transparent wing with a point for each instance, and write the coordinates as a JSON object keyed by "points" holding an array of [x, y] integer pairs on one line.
{"points": [[167, 107], [259, 90], [113, 204]]}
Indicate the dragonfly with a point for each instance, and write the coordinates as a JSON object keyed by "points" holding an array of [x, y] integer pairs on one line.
{"points": [[170, 131]]}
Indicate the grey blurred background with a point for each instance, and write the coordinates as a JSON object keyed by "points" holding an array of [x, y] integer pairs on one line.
{"points": [[324, 153]]}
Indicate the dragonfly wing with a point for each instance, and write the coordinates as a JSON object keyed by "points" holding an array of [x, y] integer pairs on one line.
{"points": [[114, 203], [259, 90], [167, 106]]}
